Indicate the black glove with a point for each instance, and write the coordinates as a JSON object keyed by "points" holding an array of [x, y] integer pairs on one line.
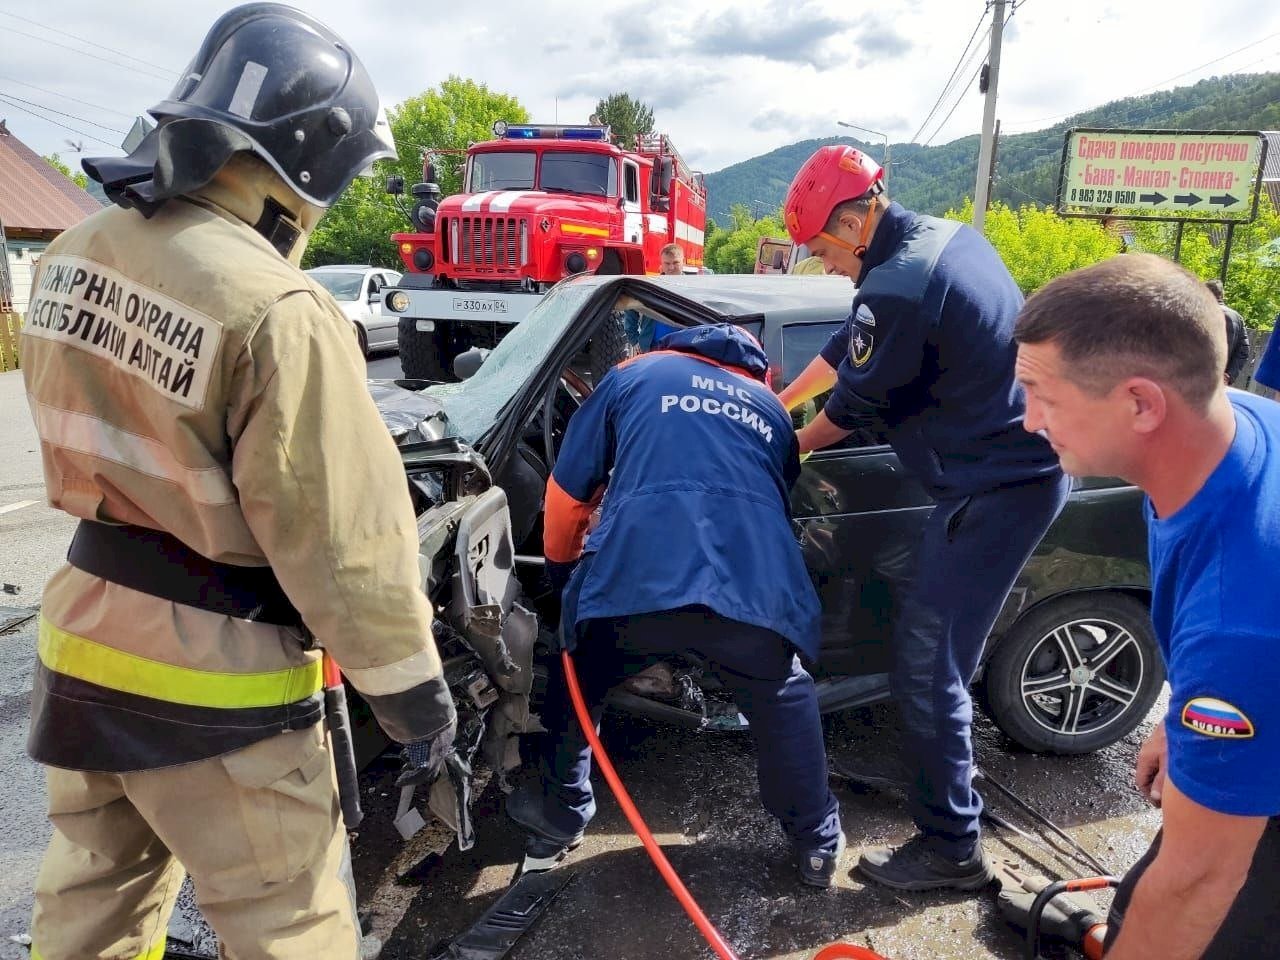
{"points": [[560, 573], [424, 759]]}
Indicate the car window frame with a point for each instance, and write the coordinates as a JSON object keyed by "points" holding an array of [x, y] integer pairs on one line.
{"points": [[843, 447]]}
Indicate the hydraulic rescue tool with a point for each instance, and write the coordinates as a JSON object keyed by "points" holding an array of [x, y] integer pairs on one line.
{"points": [[338, 720]]}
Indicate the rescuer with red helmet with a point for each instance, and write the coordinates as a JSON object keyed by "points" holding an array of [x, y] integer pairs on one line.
{"points": [[927, 350]]}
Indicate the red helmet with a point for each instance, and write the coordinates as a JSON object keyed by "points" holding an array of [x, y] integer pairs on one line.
{"points": [[830, 177]]}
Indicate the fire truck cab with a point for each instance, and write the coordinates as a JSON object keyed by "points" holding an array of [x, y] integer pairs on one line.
{"points": [[539, 203]]}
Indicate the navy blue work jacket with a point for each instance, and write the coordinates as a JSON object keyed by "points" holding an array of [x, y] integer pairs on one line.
{"points": [[698, 458], [928, 347]]}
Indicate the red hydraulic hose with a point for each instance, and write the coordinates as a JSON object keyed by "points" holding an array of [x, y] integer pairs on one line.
{"points": [[676, 885], [705, 926]]}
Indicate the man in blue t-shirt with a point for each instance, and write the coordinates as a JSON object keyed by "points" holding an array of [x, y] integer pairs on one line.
{"points": [[1268, 372], [1122, 364]]}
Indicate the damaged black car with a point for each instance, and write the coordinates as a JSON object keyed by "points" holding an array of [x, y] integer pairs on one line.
{"points": [[1071, 666]]}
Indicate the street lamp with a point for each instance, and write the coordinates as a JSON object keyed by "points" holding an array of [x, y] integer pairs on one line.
{"points": [[854, 126]]}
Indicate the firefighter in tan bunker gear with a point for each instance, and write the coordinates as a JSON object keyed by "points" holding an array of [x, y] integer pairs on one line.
{"points": [[202, 408]]}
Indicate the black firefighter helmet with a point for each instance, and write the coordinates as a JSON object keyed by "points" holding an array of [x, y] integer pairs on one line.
{"points": [[268, 80]]}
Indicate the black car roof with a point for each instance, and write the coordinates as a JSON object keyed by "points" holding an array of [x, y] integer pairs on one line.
{"points": [[781, 298]]}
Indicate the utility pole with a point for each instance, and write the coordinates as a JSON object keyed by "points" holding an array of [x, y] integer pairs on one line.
{"points": [[981, 193]]}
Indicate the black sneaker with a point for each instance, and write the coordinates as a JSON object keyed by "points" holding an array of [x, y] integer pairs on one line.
{"points": [[916, 866], [818, 866], [546, 846]]}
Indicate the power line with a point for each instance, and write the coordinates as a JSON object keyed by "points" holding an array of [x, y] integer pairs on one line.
{"points": [[92, 43], [72, 116], [959, 89], [54, 93], [960, 99], [954, 71], [92, 56], [57, 123]]}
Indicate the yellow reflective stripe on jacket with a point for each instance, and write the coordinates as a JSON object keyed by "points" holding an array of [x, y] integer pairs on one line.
{"points": [[153, 953], [105, 666]]}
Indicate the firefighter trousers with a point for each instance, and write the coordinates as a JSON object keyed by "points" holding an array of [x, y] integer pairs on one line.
{"points": [[258, 829]]}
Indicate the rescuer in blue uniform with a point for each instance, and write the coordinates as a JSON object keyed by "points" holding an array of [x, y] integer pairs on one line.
{"points": [[1122, 363], [928, 352], [693, 555]]}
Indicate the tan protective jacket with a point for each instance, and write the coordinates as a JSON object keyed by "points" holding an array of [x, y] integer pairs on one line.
{"points": [[184, 376]]}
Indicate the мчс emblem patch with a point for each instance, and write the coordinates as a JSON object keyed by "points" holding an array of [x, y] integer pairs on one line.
{"points": [[1216, 718], [860, 346]]}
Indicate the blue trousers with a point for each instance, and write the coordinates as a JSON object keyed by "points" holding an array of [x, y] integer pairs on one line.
{"points": [[970, 554], [770, 687]]}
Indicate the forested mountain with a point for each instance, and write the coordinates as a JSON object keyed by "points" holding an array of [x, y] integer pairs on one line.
{"points": [[931, 179]]}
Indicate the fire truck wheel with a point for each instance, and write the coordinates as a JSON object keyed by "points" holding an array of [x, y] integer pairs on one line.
{"points": [[422, 354]]}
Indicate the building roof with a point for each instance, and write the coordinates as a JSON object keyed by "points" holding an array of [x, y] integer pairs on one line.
{"points": [[33, 195], [1271, 166]]}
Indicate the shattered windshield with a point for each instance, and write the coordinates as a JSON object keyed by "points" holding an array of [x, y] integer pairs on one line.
{"points": [[473, 405]]}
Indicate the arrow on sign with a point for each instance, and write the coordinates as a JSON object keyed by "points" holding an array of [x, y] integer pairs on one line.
{"points": [[1190, 199], [1224, 199], [1152, 198]]}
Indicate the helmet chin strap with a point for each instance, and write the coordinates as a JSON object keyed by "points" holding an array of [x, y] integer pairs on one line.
{"points": [[859, 249]]}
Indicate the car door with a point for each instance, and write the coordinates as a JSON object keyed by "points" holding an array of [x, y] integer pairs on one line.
{"points": [[381, 327], [859, 515]]}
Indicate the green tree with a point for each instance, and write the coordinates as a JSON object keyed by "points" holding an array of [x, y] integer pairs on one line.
{"points": [[1253, 273], [626, 115], [78, 178], [441, 122], [1037, 245], [733, 249]]}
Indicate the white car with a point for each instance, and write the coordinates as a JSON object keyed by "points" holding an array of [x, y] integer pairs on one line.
{"points": [[358, 290]]}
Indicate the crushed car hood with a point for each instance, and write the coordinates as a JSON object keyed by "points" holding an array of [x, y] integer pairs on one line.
{"points": [[410, 416]]}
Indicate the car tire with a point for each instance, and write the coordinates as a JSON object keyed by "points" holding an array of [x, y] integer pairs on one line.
{"points": [[362, 338], [421, 353], [1075, 674]]}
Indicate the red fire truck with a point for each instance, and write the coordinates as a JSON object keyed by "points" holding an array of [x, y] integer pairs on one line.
{"points": [[539, 203]]}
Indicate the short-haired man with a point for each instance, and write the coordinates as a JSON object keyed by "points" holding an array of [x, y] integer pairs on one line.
{"points": [[1237, 335], [640, 328], [671, 260], [1122, 365]]}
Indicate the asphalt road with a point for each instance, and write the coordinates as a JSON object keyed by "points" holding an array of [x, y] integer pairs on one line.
{"points": [[697, 790], [33, 542]]}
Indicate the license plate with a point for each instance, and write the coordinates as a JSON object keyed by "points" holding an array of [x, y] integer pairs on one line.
{"points": [[473, 305], [425, 326]]}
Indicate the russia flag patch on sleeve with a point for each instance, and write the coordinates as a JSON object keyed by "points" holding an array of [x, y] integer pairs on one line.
{"points": [[1216, 718]]}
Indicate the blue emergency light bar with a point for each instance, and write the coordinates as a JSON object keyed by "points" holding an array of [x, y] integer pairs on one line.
{"points": [[515, 131]]}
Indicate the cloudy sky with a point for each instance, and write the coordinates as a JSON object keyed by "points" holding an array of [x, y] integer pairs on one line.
{"points": [[727, 80]]}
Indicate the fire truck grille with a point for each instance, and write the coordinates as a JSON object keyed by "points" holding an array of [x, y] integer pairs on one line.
{"points": [[483, 241], [491, 286]]}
